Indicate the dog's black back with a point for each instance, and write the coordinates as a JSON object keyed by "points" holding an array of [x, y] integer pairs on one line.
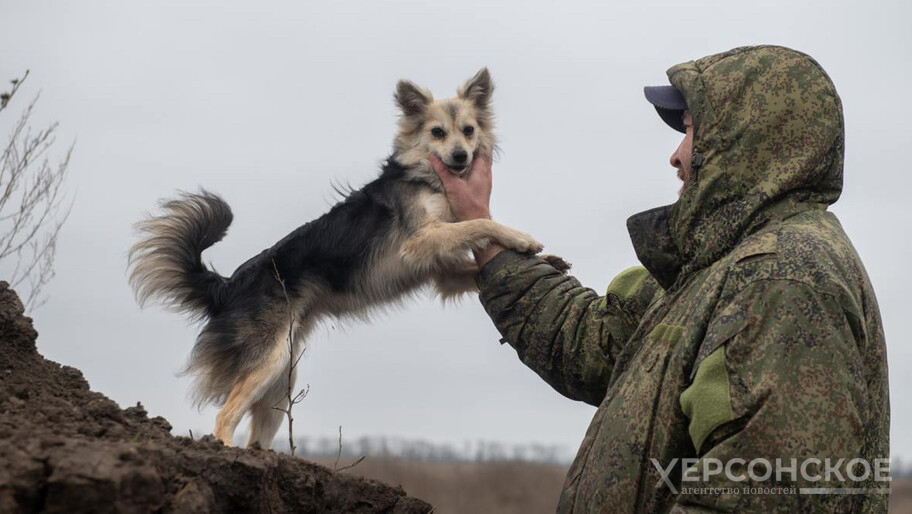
{"points": [[328, 251]]}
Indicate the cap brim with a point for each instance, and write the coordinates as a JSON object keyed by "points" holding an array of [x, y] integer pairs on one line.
{"points": [[669, 103]]}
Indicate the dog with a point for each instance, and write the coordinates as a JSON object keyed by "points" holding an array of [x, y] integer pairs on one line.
{"points": [[376, 246]]}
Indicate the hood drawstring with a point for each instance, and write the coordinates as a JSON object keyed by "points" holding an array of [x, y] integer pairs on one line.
{"points": [[696, 161]]}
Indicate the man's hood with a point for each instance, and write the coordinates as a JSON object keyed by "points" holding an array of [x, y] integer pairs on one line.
{"points": [[768, 143]]}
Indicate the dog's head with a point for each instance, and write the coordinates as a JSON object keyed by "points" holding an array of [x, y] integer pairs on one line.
{"points": [[456, 129]]}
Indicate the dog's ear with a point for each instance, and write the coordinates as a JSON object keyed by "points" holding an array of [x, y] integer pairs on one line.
{"points": [[411, 98], [478, 89]]}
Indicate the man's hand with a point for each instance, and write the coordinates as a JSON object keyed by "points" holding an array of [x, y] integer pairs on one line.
{"points": [[470, 196]]}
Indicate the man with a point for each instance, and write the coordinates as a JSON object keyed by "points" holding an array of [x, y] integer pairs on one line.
{"points": [[750, 334]]}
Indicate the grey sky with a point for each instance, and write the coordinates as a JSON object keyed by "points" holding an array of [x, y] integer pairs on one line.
{"points": [[268, 103]]}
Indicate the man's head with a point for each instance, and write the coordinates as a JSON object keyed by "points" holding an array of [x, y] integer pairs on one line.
{"points": [[767, 142]]}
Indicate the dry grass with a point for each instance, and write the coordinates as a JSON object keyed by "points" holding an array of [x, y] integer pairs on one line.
{"points": [[901, 499], [504, 487], [455, 487]]}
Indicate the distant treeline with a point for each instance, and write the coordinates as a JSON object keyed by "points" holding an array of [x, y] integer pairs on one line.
{"points": [[421, 450], [901, 468], [468, 451]]}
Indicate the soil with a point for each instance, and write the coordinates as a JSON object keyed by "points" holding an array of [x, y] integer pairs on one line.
{"points": [[65, 448]]}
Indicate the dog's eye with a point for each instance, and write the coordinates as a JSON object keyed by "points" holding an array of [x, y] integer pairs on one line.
{"points": [[438, 132], [469, 130]]}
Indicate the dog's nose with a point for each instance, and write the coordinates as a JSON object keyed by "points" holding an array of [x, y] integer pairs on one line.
{"points": [[460, 155]]}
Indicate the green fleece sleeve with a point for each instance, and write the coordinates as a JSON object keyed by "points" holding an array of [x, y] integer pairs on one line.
{"points": [[568, 334], [787, 384]]}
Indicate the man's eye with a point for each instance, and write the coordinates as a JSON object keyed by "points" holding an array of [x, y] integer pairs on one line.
{"points": [[438, 132], [469, 130]]}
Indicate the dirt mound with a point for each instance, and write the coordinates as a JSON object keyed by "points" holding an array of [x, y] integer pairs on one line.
{"points": [[65, 448]]}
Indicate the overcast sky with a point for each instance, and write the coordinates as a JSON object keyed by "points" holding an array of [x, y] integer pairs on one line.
{"points": [[269, 103]]}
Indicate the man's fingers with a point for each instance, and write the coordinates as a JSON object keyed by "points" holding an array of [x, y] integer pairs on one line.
{"points": [[440, 168], [481, 169]]}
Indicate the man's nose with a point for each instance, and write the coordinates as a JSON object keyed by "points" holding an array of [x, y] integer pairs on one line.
{"points": [[460, 155], [675, 160]]}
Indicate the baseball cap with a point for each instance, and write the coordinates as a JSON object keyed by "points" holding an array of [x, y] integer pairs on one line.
{"points": [[669, 103]]}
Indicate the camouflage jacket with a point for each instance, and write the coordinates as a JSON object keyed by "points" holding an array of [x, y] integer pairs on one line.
{"points": [[751, 331]]}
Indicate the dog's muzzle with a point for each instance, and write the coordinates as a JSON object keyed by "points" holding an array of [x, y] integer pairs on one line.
{"points": [[458, 169]]}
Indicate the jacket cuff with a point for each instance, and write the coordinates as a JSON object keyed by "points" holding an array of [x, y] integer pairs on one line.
{"points": [[491, 269]]}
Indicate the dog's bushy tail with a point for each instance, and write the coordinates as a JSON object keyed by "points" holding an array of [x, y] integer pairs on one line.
{"points": [[166, 262]]}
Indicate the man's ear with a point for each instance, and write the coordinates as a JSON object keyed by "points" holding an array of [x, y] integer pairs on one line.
{"points": [[478, 89], [411, 98]]}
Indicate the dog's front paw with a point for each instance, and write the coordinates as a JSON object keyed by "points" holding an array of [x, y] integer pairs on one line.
{"points": [[526, 244], [558, 262]]}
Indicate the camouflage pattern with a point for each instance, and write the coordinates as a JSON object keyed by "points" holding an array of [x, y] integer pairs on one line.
{"points": [[752, 330]]}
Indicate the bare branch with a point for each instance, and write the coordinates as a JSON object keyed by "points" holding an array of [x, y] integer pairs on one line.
{"points": [[33, 203], [5, 97]]}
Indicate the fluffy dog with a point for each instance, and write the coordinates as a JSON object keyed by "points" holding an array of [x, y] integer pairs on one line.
{"points": [[379, 244]]}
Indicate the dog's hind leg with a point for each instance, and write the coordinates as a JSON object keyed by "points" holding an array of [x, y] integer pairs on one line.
{"points": [[266, 415], [250, 389], [227, 419]]}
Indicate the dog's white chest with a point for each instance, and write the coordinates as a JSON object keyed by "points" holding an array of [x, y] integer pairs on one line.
{"points": [[437, 208]]}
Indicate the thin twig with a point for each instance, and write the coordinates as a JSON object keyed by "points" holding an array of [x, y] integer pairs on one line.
{"points": [[338, 455], [291, 398], [353, 464], [336, 467], [6, 97]]}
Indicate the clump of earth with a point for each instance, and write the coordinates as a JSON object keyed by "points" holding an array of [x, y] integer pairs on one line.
{"points": [[66, 448]]}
